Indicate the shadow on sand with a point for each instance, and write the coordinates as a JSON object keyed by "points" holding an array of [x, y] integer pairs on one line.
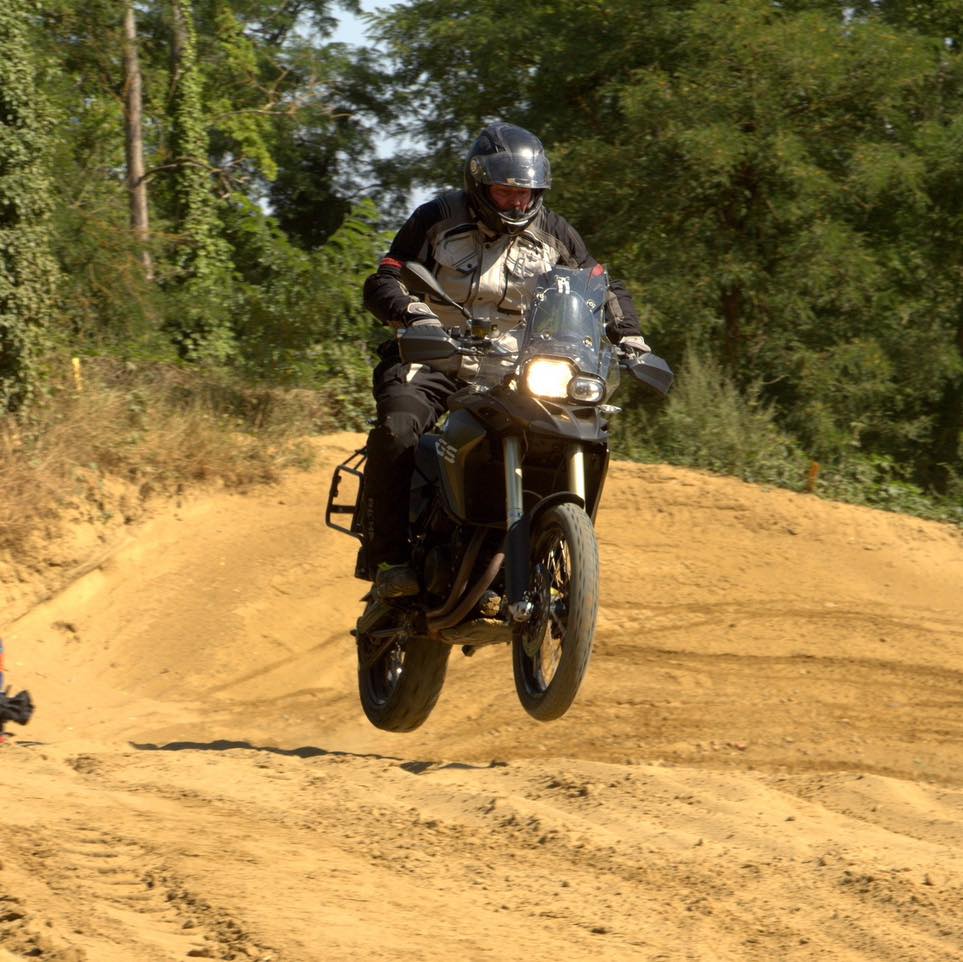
{"points": [[308, 751]]}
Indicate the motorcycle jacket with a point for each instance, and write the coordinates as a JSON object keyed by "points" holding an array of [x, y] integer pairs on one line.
{"points": [[491, 274]]}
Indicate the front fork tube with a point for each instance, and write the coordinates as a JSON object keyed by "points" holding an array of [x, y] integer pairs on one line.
{"points": [[575, 461], [517, 543]]}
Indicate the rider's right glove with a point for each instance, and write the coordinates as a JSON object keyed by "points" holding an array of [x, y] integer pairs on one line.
{"points": [[634, 343], [419, 314]]}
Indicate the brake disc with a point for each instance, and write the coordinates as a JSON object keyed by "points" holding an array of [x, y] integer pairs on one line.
{"points": [[535, 628]]}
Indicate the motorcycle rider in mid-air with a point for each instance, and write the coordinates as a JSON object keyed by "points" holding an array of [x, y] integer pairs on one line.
{"points": [[485, 245]]}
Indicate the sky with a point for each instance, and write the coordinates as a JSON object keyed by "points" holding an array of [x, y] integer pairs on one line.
{"points": [[351, 30]]}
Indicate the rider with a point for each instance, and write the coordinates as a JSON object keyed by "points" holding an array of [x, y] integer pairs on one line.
{"points": [[485, 245]]}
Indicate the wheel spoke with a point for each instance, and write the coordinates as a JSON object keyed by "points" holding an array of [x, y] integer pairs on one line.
{"points": [[558, 620], [548, 661]]}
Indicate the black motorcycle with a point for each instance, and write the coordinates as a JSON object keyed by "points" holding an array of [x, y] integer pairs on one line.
{"points": [[502, 504]]}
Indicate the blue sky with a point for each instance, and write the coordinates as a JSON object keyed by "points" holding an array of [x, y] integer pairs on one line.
{"points": [[350, 28]]}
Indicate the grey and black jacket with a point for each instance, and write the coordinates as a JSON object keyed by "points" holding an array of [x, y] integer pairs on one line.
{"points": [[492, 275]]}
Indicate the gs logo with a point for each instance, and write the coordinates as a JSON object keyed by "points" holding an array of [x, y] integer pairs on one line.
{"points": [[446, 451]]}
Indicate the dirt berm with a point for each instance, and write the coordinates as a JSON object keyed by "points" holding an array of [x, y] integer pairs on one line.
{"points": [[765, 761]]}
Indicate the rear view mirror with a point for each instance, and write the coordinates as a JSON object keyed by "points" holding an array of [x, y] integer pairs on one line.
{"points": [[650, 370], [418, 279]]}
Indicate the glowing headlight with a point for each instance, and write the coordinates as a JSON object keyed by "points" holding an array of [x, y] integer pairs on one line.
{"points": [[585, 388], [548, 377]]}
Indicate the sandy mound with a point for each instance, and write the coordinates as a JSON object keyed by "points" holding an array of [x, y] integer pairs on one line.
{"points": [[765, 761]]}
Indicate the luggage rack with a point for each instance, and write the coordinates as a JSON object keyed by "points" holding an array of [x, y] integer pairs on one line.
{"points": [[352, 466]]}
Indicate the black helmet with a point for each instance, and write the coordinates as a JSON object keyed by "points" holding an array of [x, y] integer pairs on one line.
{"points": [[510, 155]]}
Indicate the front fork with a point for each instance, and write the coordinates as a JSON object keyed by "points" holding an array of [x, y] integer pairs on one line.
{"points": [[520, 607]]}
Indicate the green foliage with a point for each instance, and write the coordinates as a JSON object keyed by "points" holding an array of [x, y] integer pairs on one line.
{"points": [[708, 422], [236, 105], [28, 274], [108, 306], [204, 300], [880, 482], [301, 321], [246, 90], [780, 184], [106, 303]]}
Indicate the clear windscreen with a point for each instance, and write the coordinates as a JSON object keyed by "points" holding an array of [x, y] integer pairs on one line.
{"points": [[567, 318]]}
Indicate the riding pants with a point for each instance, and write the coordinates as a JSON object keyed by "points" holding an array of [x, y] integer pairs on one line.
{"points": [[410, 399]]}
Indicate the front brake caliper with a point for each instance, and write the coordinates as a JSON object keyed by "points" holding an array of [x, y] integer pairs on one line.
{"points": [[534, 631]]}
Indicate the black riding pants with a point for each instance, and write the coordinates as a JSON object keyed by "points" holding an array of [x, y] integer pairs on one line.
{"points": [[410, 399]]}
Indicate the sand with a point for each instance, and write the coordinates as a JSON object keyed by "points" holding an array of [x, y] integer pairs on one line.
{"points": [[765, 761]]}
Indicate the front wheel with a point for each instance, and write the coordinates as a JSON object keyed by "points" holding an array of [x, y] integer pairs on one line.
{"points": [[399, 683], [551, 651]]}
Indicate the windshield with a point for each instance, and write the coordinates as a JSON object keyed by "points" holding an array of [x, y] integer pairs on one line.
{"points": [[566, 319]]}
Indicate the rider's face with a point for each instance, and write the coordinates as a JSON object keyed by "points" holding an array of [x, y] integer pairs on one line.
{"points": [[510, 198]]}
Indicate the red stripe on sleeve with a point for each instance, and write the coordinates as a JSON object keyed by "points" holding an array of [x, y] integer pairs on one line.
{"points": [[391, 262]]}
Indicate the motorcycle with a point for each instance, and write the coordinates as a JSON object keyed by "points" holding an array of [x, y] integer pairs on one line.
{"points": [[503, 500]]}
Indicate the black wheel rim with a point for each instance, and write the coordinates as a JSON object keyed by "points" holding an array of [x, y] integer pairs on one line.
{"points": [[384, 673], [543, 640]]}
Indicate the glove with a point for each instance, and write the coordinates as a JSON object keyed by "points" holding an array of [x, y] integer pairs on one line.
{"points": [[419, 314], [635, 344]]}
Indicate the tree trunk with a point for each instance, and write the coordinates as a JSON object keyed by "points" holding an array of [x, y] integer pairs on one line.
{"points": [[178, 42], [134, 139]]}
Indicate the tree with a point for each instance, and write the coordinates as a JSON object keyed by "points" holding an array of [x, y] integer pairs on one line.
{"points": [[201, 323], [28, 274], [134, 140], [452, 75], [754, 169]]}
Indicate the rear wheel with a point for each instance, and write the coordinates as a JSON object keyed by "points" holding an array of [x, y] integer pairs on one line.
{"points": [[551, 651], [399, 681]]}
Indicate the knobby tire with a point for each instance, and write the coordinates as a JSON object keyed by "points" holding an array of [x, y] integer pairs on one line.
{"points": [[403, 702], [568, 525]]}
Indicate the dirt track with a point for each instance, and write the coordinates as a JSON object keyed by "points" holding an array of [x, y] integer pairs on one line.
{"points": [[766, 760]]}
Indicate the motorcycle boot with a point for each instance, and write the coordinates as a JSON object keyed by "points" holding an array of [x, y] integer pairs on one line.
{"points": [[396, 581]]}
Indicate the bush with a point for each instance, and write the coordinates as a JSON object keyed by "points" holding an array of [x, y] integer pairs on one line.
{"points": [[880, 482], [155, 427], [708, 423]]}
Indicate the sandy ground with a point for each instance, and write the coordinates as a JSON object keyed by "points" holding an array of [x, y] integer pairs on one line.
{"points": [[765, 761]]}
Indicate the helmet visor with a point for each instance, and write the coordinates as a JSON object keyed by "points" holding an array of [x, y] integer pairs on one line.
{"points": [[521, 168]]}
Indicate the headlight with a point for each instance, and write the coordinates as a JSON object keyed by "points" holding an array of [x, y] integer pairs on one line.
{"points": [[587, 388], [548, 377], [552, 377]]}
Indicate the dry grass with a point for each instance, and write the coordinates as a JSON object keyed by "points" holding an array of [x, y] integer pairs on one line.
{"points": [[154, 429]]}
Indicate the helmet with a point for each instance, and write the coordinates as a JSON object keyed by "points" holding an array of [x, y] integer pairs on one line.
{"points": [[506, 154]]}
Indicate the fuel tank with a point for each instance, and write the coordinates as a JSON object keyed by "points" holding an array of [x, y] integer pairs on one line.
{"points": [[471, 480]]}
